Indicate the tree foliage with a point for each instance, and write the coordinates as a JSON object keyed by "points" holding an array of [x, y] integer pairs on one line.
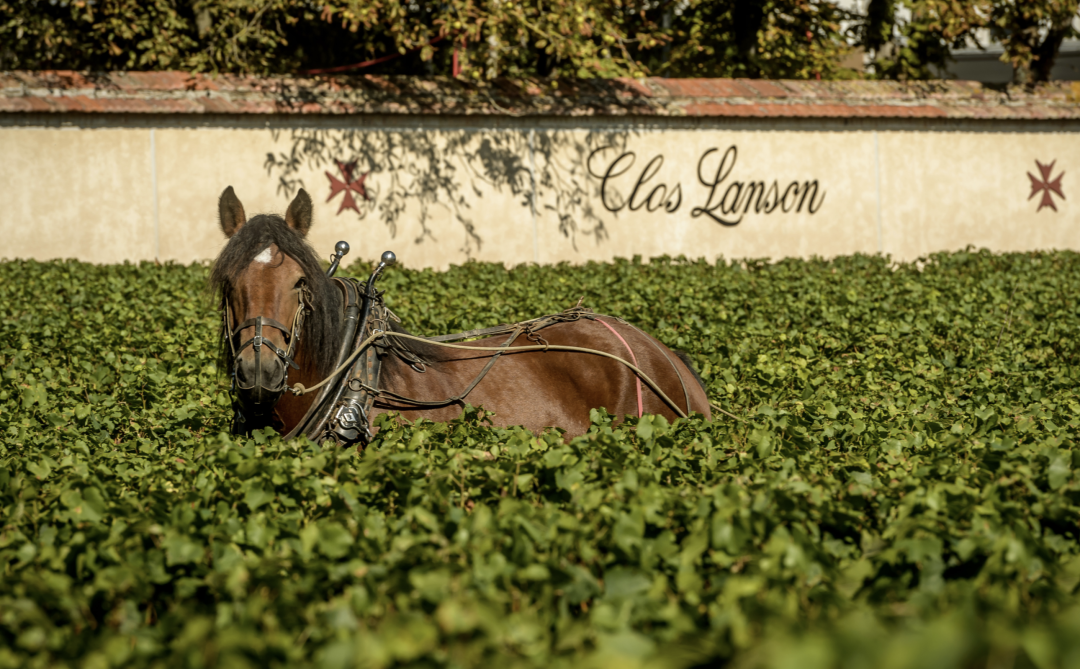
{"points": [[1032, 33], [909, 36], [489, 38], [563, 37], [791, 39]]}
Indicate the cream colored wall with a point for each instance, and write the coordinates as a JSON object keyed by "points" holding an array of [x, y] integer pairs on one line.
{"points": [[441, 196], [76, 194], [943, 191]]}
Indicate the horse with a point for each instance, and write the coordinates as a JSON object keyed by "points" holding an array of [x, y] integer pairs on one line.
{"points": [[282, 325]]}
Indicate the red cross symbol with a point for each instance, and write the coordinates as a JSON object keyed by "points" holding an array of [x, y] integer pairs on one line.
{"points": [[1046, 186], [347, 186]]}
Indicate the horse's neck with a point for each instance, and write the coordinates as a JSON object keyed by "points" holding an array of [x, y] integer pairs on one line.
{"points": [[396, 375], [290, 409], [437, 382]]}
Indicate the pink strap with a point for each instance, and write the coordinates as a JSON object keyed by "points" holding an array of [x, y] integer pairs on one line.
{"points": [[633, 358]]}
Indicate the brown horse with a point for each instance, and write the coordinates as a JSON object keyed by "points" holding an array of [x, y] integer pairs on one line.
{"points": [[282, 325]]}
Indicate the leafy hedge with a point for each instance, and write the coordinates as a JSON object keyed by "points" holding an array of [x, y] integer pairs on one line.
{"points": [[899, 492]]}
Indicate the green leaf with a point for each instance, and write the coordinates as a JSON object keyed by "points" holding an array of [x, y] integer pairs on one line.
{"points": [[1060, 470], [334, 540], [762, 441], [534, 572], [181, 549], [621, 583], [256, 497]]}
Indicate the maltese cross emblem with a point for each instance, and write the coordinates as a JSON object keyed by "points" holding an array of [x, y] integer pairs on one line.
{"points": [[1046, 186], [347, 186]]}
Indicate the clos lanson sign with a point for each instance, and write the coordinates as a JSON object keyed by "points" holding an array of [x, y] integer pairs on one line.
{"points": [[722, 196]]}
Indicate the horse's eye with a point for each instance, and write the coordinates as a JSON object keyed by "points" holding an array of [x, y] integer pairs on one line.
{"points": [[300, 283]]}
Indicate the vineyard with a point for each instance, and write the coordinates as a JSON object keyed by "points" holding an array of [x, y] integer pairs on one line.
{"points": [[898, 489]]}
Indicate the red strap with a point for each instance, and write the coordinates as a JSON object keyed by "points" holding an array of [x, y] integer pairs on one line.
{"points": [[633, 358]]}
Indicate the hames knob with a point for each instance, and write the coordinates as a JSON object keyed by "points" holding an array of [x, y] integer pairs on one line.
{"points": [[388, 258], [340, 249]]}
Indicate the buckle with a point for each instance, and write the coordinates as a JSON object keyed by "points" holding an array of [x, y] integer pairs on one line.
{"points": [[350, 423]]}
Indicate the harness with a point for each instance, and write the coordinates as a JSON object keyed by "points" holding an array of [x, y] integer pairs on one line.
{"points": [[340, 413]]}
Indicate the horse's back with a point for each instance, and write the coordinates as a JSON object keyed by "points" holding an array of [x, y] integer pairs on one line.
{"points": [[671, 370], [557, 388]]}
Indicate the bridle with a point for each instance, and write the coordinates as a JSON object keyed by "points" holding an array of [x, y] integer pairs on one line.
{"points": [[258, 341]]}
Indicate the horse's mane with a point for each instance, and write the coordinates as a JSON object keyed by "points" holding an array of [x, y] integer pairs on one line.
{"points": [[321, 336]]}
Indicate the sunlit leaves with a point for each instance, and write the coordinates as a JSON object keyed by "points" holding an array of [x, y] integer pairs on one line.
{"points": [[899, 487], [911, 39]]}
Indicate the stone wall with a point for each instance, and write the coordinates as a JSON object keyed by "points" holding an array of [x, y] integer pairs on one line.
{"points": [[129, 166]]}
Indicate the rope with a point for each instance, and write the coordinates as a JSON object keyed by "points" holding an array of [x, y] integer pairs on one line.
{"points": [[299, 388], [726, 413]]}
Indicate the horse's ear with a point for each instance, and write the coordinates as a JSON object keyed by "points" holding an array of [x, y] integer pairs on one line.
{"points": [[298, 215], [231, 212]]}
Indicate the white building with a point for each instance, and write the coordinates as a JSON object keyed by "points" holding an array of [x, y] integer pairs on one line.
{"points": [[985, 64]]}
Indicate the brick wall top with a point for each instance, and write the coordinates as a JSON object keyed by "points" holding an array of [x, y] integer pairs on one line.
{"points": [[188, 93]]}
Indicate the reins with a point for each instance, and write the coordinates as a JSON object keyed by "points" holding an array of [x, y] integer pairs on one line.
{"points": [[300, 389]]}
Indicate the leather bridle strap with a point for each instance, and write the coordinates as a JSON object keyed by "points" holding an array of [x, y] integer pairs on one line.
{"points": [[292, 336], [259, 340], [265, 321]]}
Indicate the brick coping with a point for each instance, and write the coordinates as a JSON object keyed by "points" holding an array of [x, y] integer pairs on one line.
{"points": [[193, 93]]}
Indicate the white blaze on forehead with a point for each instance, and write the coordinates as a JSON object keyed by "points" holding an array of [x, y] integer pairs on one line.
{"points": [[266, 256]]}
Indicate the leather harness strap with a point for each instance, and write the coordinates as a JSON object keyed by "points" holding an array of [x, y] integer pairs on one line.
{"points": [[656, 345], [633, 358], [531, 325], [376, 392]]}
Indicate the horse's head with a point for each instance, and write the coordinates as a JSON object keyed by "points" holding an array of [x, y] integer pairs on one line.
{"points": [[274, 293]]}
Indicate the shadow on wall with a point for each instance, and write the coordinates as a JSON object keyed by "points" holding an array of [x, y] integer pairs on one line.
{"points": [[428, 170]]}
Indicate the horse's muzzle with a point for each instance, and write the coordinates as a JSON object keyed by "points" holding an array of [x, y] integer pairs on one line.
{"points": [[260, 379]]}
